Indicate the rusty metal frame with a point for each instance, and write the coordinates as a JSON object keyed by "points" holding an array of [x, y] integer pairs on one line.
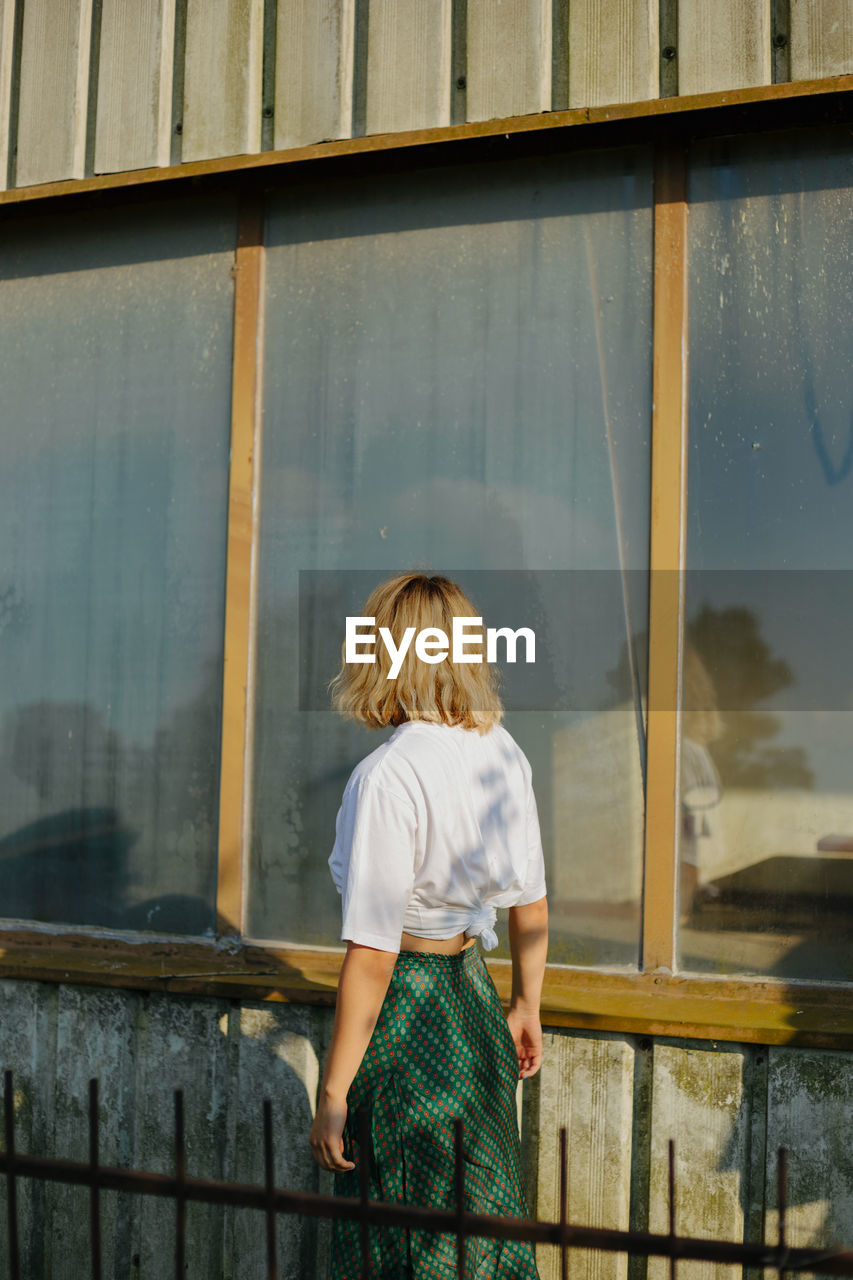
{"points": [[456, 1221], [654, 1000]]}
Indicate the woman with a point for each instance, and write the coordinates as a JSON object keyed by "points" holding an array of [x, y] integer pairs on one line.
{"points": [[437, 829]]}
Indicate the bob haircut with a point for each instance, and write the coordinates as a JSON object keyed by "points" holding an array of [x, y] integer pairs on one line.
{"points": [[441, 693]]}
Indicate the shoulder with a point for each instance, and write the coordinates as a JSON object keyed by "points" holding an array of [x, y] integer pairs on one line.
{"points": [[383, 769], [509, 750]]}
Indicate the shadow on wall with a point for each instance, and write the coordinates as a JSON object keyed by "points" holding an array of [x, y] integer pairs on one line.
{"points": [[72, 867], [105, 832]]}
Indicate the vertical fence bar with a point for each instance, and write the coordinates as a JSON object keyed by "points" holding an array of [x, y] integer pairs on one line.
{"points": [[180, 1191], [671, 1180], [11, 1184], [459, 1179], [94, 1189], [564, 1203], [363, 1144], [269, 1184]]}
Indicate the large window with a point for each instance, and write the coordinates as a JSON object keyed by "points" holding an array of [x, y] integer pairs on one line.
{"points": [[608, 388], [115, 346], [458, 376], [767, 745]]}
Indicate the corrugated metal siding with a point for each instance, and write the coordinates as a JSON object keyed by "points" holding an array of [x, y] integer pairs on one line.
{"points": [[134, 113], [509, 57], [408, 65], [313, 71], [54, 78], [223, 78], [621, 1098], [724, 45], [626, 66], [821, 38]]}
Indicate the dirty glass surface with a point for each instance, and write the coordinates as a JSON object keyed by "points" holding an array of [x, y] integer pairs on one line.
{"points": [[458, 378], [115, 363], [767, 760]]}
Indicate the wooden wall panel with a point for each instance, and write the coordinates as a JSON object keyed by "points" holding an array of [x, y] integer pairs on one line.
{"points": [[613, 51], [724, 45], [53, 91], [94, 1038], [223, 78], [810, 1113], [703, 1099], [509, 58], [313, 71], [408, 65], [276, 1059], [7, 29], [821, 38], [177, 1046], [134, 117], [27, 1049], [586, 1085]]}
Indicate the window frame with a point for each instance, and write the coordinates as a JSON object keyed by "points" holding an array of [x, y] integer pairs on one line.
{"points": [[653, 999]]}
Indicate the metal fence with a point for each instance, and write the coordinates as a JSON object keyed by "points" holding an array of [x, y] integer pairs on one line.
{"points": [[272, 1201]]}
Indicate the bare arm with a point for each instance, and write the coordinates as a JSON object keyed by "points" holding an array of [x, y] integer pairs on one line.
{"points": [[365, 975], [528, 942]]}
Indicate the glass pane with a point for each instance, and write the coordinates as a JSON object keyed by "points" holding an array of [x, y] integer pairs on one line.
{"points": [[767, 761], [458, 378], [115, 360]]}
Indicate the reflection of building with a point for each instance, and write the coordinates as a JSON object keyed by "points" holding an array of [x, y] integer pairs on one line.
{"points": [[598, 810], [459, 344]]}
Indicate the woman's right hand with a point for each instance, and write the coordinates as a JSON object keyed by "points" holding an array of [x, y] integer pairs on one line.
{"points": [[326, 1135], [526, 1031]]}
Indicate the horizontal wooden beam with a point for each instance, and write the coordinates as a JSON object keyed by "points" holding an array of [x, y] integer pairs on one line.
{"points": [[738, 1010], [654, 108]]}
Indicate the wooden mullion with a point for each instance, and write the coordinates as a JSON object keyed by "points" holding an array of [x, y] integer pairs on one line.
{"points": [[243, 510], [666, 554]]}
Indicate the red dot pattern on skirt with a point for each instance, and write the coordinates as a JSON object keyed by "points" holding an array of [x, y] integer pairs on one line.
{"points": [[441, 1048]]}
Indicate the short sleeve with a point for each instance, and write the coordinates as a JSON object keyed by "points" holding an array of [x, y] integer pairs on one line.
{"points": [[534, 884], [372, 862]]}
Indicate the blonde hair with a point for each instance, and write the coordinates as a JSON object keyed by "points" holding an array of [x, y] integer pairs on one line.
{"points": [[442, 693]]}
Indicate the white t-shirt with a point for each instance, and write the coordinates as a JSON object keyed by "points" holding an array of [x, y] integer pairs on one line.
{"points": [[437, 828]]}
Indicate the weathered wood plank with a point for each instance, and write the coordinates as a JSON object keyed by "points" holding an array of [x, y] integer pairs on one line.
{"points": [[180, 1044], [223, 78], [586, 1085], [724, 45], [134, 116], [613, 51], [821, 38], [810, 1113], [700, 1099], [27, 1049], [53, 90], [276, 1060], [7, 32], [94, 1038], [408, 65], [313, 71], [509, 57]]}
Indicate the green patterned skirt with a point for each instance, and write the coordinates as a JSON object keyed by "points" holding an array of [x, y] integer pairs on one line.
{"points": [[441, 1048]]}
